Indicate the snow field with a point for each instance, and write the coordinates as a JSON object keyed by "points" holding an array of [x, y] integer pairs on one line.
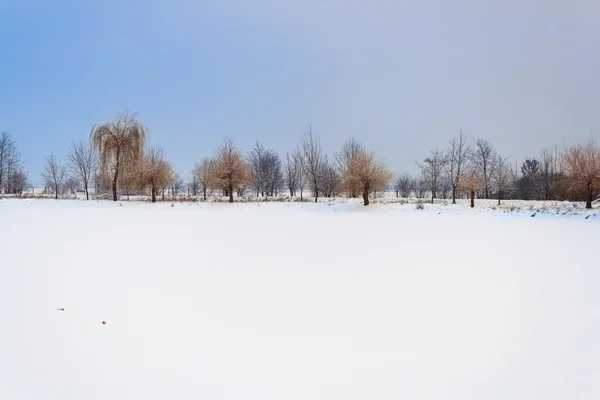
{"points": [[295, 301]]}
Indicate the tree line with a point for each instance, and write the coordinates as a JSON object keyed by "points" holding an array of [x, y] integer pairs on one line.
{"points": [[118, 160], [473, 167]]}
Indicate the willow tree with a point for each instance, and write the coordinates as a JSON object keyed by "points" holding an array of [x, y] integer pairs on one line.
{"points": [[119, 144]]}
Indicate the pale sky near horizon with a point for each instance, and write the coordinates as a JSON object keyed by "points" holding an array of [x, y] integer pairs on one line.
{"points": [[400, 76]]}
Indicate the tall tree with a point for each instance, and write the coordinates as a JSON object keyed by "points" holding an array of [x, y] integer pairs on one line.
{"points": [[458, 156], [53, 174], [312, 160], [119, 144], [484, 157], [82, 163]]}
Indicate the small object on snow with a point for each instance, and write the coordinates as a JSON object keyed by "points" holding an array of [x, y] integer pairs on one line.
{"points": [[532, 215], [104, 322], [60, 309], [172, 205], [587, 217]]}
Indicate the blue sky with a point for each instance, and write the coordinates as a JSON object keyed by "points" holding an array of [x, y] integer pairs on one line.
{"points": [[400, 76]]}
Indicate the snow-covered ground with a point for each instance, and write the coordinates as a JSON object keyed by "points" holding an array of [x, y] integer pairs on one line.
{"points": [[296, 301]]}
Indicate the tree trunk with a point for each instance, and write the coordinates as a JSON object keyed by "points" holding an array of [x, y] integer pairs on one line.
{"points": [[499, 196], [87, 196], [472, 198], [153, 194], [204, 193], [590, 197], [365, 196], [163, 194], [487, 196], [56, 192], [230, 190], [114, 184], [301, 198], [453, 194]]}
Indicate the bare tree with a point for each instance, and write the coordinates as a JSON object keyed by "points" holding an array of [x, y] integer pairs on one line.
{"points": [[271, 173], [484, 157], [176, 184], [421, 186], [256, 159], [312, 160], [10, 163], [329, 178], [293, 172], [82, 163], [6, 147], [548, 172], [231, 168], [503, 177], [205, 172], [119, 143], [193, 183], [529, 182], [582, 169], [458, 155], [405, 184], [53, 174], [69, 185], [19, 180], [432, 168]]}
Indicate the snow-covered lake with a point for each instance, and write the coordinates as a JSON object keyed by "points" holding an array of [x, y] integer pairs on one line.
{"points": [[299, 301]]}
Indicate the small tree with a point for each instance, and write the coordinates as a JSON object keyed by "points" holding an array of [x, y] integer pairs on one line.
{"points": [[205, 172], [155, 171], [347, 160], [231, 169], [82, 163], [293, 172], [432, 169], [361, 172], [471, 182], [484, 157], [458, 157], [53, 174], [312, 160], [405, 184], [582, 169]]}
